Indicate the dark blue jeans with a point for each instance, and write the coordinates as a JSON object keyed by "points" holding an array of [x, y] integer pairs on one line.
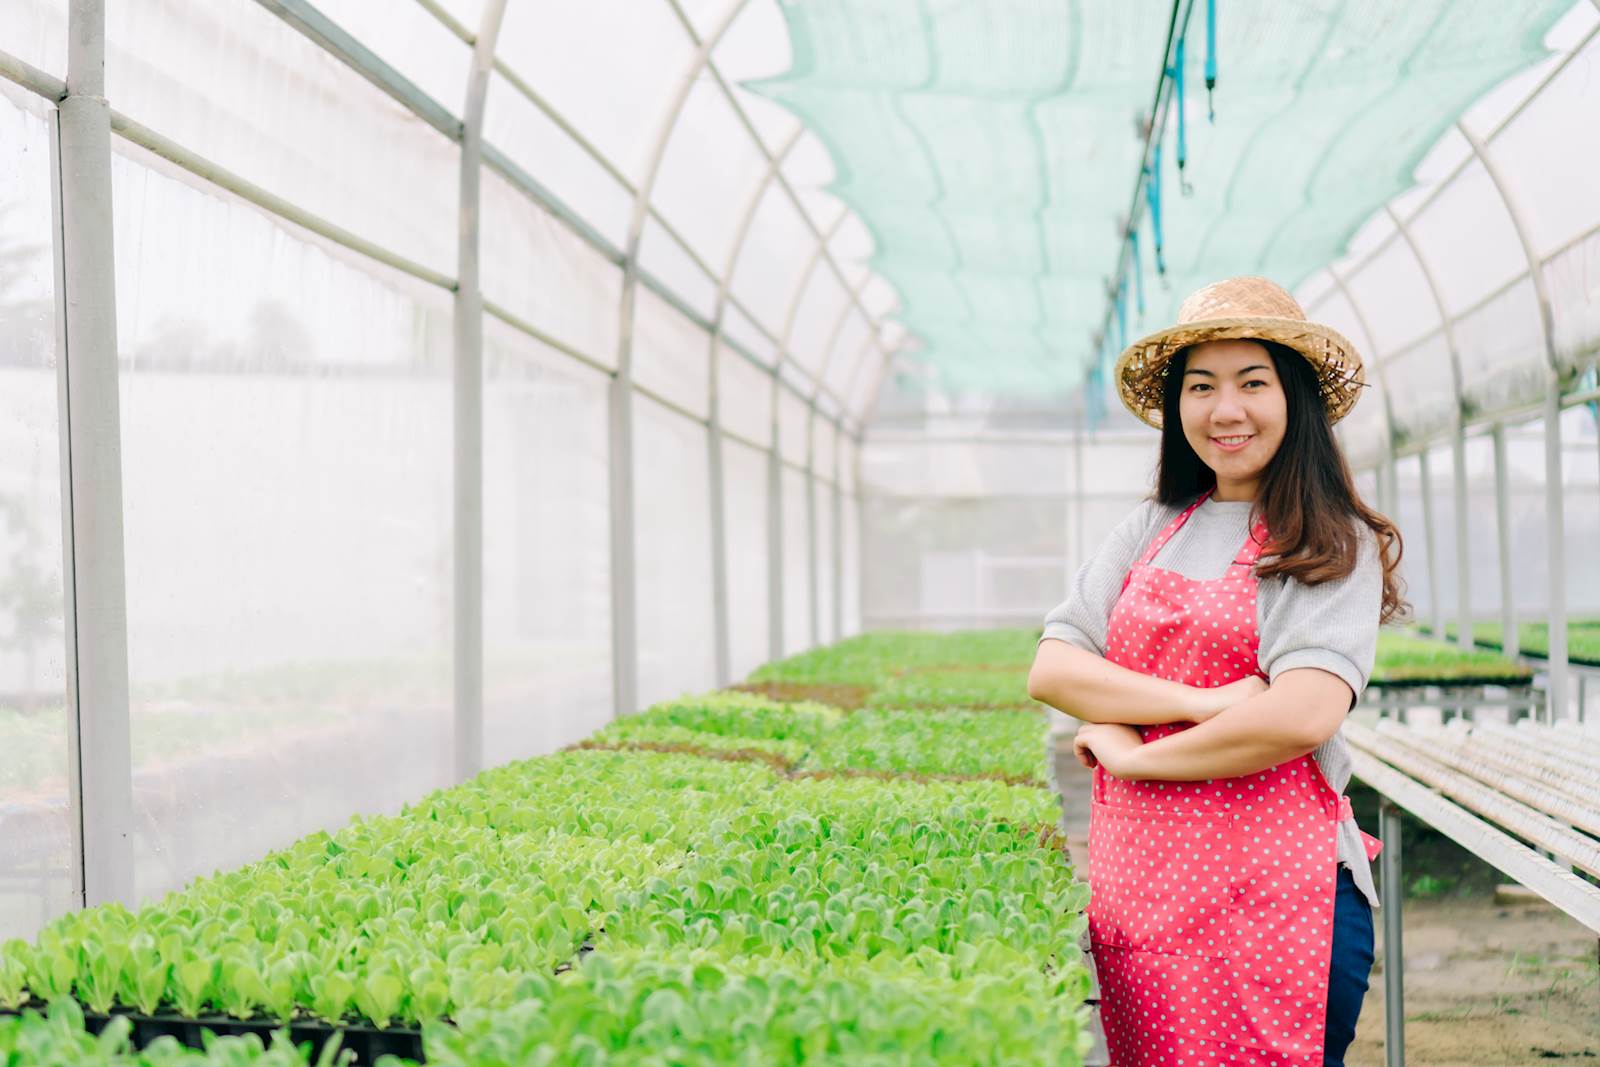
{"points": [[1351, 964]]}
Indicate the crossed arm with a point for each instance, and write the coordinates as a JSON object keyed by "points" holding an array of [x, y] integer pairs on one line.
{"points": [[1240, 728]]}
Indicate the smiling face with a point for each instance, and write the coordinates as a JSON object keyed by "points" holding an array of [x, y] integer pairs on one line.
{"points": [[1234, 412]]}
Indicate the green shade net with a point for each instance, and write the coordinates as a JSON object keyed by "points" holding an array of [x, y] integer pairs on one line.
{"points": [[992, 148]]}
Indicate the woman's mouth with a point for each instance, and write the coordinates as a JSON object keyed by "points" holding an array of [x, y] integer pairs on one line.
{"points": [[1233, 442]]}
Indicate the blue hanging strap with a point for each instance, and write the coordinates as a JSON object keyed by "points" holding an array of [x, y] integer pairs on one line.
{"points": [[1175, 72], [1094, 394], [1138, 271], [1211, 57], [1152, 190], [1122, 320], [1183, 119]]}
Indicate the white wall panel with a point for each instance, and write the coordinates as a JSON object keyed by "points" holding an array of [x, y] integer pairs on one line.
{"points": [[546, 548], [36, 870], [672, 538], [286, 454]]}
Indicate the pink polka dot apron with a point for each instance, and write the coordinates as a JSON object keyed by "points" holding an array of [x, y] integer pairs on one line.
{"points": [[1211, 905]]}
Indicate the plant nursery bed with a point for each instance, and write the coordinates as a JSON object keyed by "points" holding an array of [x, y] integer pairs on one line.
{"points": [[366, 1041], [847, 697]]}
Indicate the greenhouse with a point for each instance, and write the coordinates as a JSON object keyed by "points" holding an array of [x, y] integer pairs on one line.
{"points": [[571, 533]]}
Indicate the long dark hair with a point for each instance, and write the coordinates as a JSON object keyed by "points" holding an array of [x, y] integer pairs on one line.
{"points": [[1306, 495]]}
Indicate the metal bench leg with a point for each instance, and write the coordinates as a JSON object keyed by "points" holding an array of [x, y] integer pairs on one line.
{"points": [[1391, 894]]}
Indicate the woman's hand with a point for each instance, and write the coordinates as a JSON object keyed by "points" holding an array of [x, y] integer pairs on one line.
{"points": [[1108, 744], [1222, 697]]}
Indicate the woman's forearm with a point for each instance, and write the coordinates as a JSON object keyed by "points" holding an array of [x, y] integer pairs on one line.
{"points": [[1092, 688], [1302, 709]]}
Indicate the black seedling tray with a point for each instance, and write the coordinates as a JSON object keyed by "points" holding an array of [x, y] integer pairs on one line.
{"points": [[1464, 681], [366, 1041]]}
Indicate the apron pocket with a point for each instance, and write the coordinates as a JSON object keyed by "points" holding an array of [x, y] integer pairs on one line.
{"points": [[1159, 881]]}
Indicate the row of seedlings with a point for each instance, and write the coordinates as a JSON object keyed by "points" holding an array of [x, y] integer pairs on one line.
{"points": [[728, 878]]}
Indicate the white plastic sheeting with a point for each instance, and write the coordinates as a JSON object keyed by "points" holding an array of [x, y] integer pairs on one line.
{"points": [[981, 530], [547, 571], [37, 873], [287, 233], [286, 473]]}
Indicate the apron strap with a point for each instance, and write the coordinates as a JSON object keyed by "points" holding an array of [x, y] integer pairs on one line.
{"points": [[1173, 527], [1253, 546]]}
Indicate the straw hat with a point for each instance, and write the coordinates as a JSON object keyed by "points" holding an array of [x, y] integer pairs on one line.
{"points": [[1253, 308]]}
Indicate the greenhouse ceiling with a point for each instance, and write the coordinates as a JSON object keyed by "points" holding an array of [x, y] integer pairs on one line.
{"points": [[998, 151]]}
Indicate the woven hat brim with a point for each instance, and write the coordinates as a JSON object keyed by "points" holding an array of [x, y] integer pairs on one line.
{"points": [[1140, 371]]}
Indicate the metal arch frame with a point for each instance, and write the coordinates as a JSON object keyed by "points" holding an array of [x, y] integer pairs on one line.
{"points": [[775, 593], [1533, 94], [624, 593], [467, 325], [761, 146], [719, 538], [1458, 455], [310, 22], [307, 20], [833, 342], [516, 81], [1391, 480], [849, 308], [855, 373], [836, 532], [624, 643], [877, 385], [1389, 497], [1555, 519]]}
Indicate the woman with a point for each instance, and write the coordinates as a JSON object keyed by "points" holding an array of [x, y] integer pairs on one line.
{"points": [[1212, 647]]}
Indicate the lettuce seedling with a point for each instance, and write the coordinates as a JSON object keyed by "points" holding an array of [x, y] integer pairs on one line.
{"points": [[14, 957]]}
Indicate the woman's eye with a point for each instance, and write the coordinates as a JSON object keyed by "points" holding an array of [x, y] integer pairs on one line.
{"points": [[1255, 381], [1198, 387]]}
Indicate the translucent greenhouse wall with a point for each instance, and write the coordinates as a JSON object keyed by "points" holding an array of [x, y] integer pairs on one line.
{"points": [[36, 841], [471, 388]]}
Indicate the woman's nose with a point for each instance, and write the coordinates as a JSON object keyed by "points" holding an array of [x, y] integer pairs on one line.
{"points": [[1228, 408]]}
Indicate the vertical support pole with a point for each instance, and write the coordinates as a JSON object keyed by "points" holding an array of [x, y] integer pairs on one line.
{"points": [[624, 595], [1435, 611], [838, 532], [1502, 524], [860, 533], [719, 499], [1389, 483], [1079, 549], [1393, 894], [1555, 550], [1458, 481], [719, 531], [812, 574], [775, 540], [94, 569], [467, 397], [1555, 522]]}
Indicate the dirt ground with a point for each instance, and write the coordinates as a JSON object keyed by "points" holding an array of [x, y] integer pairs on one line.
{"points": [[1489, 985], [1484, 984]]}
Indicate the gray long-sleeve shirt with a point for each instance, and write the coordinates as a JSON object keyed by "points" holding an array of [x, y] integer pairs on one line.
{"points": [[1332, 626]]}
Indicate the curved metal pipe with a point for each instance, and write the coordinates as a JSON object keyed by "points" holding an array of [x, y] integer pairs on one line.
{"points": [[1555, 512], [1458, 444], [624, 593], [719, 536]]}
